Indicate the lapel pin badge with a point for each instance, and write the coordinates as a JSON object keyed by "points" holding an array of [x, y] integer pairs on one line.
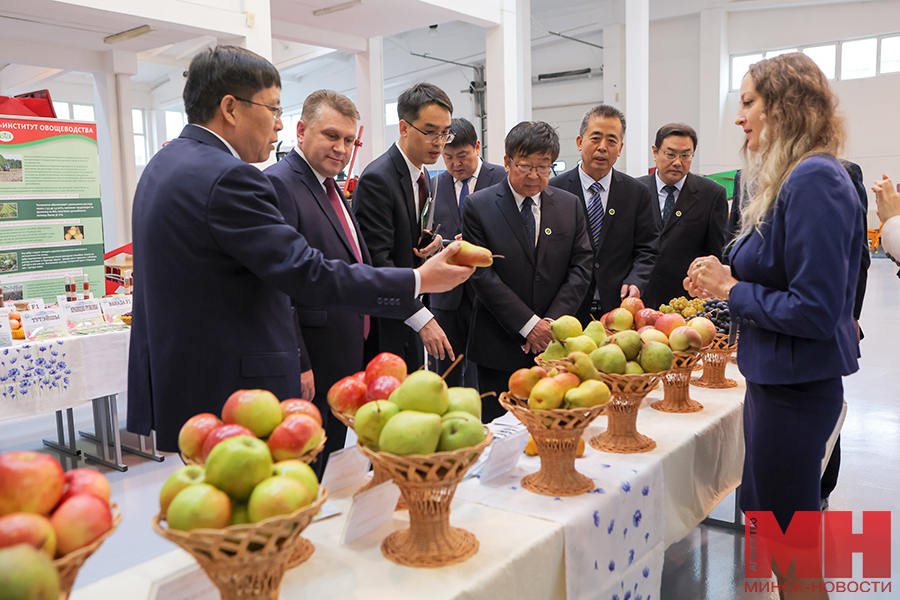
{"points": [[677, 213], [612, 211], [547, 231]]}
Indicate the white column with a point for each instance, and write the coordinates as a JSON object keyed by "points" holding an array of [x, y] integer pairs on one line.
{"points": [[370, 102], [258, 21], [637, 85], [508, 74], [614, 65], [713, 156]]}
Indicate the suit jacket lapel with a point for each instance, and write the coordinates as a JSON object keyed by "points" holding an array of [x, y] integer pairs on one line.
{"points": [[687, 199], [549, 221], [406, 186], [654, 197], [507, 206]]}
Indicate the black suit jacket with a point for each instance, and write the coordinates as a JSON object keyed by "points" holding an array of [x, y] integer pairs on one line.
{"points": [[206, 230], [514, 288], [629, 239], [696, 228], [446, 212]]}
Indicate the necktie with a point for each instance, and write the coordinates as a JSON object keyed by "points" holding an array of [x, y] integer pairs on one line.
{"points": [[463, 193], [595, 212], [670, 202], [423, 194], [528, 220], [338, 206]]}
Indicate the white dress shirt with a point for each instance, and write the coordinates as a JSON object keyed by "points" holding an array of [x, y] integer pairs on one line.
{"points": [[587, 181], [890, 236], [322, 179], [473, 180], [660, 184], [536, 210]]}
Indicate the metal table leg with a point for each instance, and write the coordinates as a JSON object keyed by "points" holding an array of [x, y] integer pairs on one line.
{"points": [[147, 444], [102, 413], [736, 524], [60, 443]]}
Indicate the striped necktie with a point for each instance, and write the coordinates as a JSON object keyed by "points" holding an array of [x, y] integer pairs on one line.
{"points": [[595, 212]]}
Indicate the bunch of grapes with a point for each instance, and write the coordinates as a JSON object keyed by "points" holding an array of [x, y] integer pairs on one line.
{"points": [[687, 307], [716, 310]]}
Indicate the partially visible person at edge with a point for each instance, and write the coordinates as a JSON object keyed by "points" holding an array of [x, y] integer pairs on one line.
{"points": [[888, 201], [206, 227], [791, 287]]}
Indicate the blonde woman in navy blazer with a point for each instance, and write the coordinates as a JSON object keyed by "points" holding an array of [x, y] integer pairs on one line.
{"points": [[792, 282]]}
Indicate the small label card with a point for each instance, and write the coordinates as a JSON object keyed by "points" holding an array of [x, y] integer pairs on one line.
{"points": [[114, 307], [83, 314], [44, 324], [5, 328], [345, 467], [189, 583], [31, 304], [506, 449], [370, 510]]}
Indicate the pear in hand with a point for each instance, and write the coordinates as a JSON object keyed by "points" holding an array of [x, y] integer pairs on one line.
{"points": [[470, 255]]}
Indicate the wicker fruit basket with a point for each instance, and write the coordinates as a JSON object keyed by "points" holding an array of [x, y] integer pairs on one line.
{"points": [[427, 482], [627, 393], [379, 475], [715, 358], [68, 566], [676, 385], [556, 433], [248, 561]]}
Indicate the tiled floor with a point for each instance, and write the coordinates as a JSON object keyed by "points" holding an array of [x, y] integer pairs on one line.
{"points": [[706, 565]]}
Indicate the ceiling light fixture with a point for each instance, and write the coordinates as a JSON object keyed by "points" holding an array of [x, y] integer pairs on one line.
{"points": [[128, 35], [336, 8]]}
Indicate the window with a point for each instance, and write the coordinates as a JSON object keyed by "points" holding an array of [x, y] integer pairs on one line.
{"points": [[82, 112], [559, 166], [62, 110], [175, 122], [774, 53], [739, 67], [140, 137], [859, 58], [390, 114], [825, 57], [288, 135], [890, 54]]}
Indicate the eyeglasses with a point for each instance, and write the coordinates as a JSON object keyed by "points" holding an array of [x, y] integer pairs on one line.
{"points": [[276, 110], [685, 156], [445, 137], [542, 170]]}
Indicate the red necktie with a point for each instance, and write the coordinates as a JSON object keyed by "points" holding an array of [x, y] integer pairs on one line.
{"points": [[338, 206], [423, 195]]}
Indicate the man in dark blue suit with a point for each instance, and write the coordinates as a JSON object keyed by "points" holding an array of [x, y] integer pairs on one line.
{"points": [[546, 268], [466, 173], [392, 193], [215, 263], [621, 225]]}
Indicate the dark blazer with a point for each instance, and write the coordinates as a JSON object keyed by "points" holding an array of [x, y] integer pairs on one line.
{"points": [[629, 239], [514, 288], [446, 212], [214, 263], [696, 228], [386, 212], [797, 279]]}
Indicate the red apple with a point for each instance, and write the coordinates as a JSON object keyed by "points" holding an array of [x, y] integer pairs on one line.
{"points": [[669, 322], [29, 482], [222, 433], [521, 381], [296, 436], [257, 410], [79, 521], [645, 317], [619, 319], [360, 375], [297, 406], [381, 387], [194, 432], [28, 528], [705, 328], [632, 305], [685, 339], [385, 364], [347, 395], [200, 506], [86, 481], [277, 496]]}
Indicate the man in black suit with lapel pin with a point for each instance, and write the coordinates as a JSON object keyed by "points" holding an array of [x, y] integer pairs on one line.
{"points": [[621, 225], [466, 173], [546, 268], [392, 192], [691, 211]]}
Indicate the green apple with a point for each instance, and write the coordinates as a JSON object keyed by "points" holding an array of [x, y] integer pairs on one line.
{"points": [[656, 357], [580, 343], [257, 410], [582, 366], [465, 399], [277, 496], [411, 432], [565, 327], [177, 481], [371, 418], [200, 506], [633, 368], [239, 514], [27, 574], [546, 394], [555, 350], [609, 359], [300, 471], [589, 393], [596, 331], [237, 464], [460, 429], [423, 391]]}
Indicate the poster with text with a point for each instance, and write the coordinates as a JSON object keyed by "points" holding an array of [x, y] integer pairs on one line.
{"points": [[50, 221]]}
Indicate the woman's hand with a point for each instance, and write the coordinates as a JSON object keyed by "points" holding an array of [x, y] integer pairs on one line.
{"points": [[708, 278], [887, 199]]}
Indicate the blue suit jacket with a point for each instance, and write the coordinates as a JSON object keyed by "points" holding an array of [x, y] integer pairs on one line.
{"points": [[797, 280], [446, 212], [214, 263]]}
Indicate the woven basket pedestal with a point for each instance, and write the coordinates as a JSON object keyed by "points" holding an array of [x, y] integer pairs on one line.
{"points": [[68, 566], [715, 358], [556, 434], [248, 561], [676, 385], [621, 435], [427, 482]]}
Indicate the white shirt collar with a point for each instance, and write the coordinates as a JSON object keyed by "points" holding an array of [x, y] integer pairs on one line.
{"points": [[519, 198], [414, 171], [318, 175], [660, 184], [224, 141], [473, 176], [587, 181]]}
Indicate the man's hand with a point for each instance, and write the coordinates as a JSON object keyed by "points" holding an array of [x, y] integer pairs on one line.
{"points": [[435, 245], [439, 276], [629, 291], [538, 338], [307, 385], [887, 199], [436, 341]]}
